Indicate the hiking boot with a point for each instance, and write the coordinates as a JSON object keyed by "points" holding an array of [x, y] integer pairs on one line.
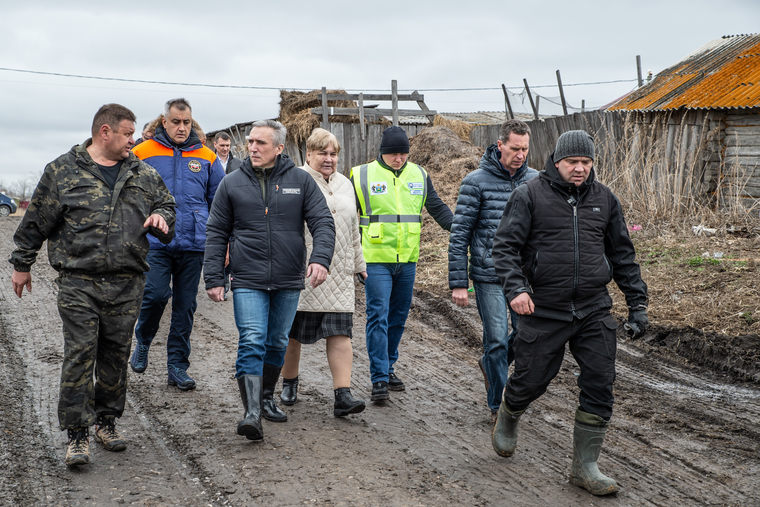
{"points": [[289, 394], [588, 438], [345, 403], [269, 409], [178, 377], [380, 391], [504, 434], [139, 360], [106, 434], [395, 383], [78, 452], [250, 392]]}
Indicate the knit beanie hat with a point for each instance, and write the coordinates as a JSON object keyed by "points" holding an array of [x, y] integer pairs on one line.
{"points": [[574, 143], [394, 141]]}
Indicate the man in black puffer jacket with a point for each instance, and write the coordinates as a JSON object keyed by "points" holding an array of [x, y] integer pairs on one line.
{"points": [[482, 197], [260, 210], [562, 239]]}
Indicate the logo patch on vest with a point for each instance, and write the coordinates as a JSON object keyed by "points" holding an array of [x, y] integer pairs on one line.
{"points": [[417, 184], [194, 166], [379, 188], [291, 191], [416, 192], [596, 210]]}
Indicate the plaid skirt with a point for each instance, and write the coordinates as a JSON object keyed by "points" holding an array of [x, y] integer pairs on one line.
{"points": [[310, 327]]}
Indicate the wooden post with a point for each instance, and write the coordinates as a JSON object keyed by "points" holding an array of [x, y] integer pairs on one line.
{"points": [[394, 102], [561, 93], [583, 105], [361, 113], [530, 98], [538, 102], [325, 118], [509, 104], [638, 70]]}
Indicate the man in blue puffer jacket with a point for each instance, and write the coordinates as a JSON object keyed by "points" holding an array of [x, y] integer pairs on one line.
{"points": [[482, 197], [192, 173]]}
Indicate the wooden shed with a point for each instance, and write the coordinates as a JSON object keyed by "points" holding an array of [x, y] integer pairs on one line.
{"points": [[708, 107]]}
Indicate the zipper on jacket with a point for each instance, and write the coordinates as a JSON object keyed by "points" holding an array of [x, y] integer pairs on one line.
{"points": [[269, 234], [576, 254]]}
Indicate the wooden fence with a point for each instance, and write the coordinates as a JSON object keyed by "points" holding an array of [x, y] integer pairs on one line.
{"points": [[707, 152]]}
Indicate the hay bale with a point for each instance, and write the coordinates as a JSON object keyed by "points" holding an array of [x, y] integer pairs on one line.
{"points": [[446, 157], [459, 127]]}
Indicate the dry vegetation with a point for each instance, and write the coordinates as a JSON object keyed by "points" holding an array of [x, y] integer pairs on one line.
{"points": [[296, 115], [709, 283]]}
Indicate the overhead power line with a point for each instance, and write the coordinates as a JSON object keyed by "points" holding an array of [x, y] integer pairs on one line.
{"points": [[144, 81]]}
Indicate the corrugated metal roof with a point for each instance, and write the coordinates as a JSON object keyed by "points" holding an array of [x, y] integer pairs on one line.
{"points": [[724, 73]]}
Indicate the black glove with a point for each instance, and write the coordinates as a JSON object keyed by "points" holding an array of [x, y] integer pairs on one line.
{"points": [[637, 324]]}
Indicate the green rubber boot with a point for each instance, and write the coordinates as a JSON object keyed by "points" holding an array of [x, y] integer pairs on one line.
{"points": [[588, 438], [504, 436]]}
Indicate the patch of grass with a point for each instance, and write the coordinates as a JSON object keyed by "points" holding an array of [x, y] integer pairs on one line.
{"points": [[695, 262], [747, 316]]}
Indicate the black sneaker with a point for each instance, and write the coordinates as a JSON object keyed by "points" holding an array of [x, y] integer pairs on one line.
{"points": [[380, 391], [395, 383]]}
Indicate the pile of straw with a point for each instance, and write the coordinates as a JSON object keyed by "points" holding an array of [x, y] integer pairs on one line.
{"points": [[461, 128]]}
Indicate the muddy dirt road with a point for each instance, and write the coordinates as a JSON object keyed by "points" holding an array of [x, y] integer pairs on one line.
{"points": [[681, 435]]}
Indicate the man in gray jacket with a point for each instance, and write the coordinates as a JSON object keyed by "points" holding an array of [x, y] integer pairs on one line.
{"points": [[482, 197]]}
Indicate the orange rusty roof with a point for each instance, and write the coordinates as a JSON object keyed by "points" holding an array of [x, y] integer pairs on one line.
{"points": [[724, 73]]}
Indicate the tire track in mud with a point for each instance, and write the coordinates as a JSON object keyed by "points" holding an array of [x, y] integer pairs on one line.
{"points": [[644, 461], [145, 473]]}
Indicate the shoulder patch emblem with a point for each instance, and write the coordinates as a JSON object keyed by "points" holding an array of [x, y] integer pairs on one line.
{"points": [[194, 166]]}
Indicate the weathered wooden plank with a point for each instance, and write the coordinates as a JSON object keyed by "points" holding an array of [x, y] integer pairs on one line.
{"points": [[410, 97], [751, 130], [371, 111], [742, 120], [745, 151]]}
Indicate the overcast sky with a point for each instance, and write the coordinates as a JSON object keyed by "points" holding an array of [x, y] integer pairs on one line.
{"points": [[359, 46]]}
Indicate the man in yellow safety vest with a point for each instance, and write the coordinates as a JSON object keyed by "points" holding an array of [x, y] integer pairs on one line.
{"points": [[390, 195]]}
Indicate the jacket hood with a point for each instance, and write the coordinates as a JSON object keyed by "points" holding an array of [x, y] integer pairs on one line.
{"points": [[193, 142], [551, 174], [491, 162]]}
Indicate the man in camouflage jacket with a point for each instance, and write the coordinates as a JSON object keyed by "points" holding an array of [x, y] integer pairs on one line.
{"points": [[95, 206]]}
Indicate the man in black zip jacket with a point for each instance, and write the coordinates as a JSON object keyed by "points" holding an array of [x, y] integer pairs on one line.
{"points": [[260, 210], [561, 240]]}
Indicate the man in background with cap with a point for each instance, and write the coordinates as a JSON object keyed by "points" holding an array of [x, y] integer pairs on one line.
{"points": [[390, 195], [561, 240]]}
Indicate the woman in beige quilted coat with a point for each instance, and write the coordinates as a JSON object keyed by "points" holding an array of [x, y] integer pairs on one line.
{"points": [[327, 311]]}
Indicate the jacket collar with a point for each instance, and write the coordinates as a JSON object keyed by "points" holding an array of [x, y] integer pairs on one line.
{"points": [[491, 162], [84, 159], [281, 165], [193, 141]]}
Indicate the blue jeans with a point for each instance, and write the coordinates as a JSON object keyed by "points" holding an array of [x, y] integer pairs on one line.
{"points": [[172, 275], [263, 319], [497, 340], [388, 293]]}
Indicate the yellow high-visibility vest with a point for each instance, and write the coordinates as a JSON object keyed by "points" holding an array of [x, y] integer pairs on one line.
{"points": [[390, 211]]}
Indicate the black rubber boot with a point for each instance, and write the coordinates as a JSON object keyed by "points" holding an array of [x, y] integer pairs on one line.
{"points": [[504, 436], [345, 403], [250, 391], [588, 438], [289, 394], [269, 408]]}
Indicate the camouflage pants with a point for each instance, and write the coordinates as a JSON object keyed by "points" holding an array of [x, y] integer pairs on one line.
{"points": [[98, 314]]}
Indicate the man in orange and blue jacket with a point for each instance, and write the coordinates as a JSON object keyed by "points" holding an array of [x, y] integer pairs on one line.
{"points": [[192, 173]]}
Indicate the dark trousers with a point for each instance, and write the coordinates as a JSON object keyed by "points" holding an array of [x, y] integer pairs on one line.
{"points": [[539, 350], [98, 315], [172, 275]]}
